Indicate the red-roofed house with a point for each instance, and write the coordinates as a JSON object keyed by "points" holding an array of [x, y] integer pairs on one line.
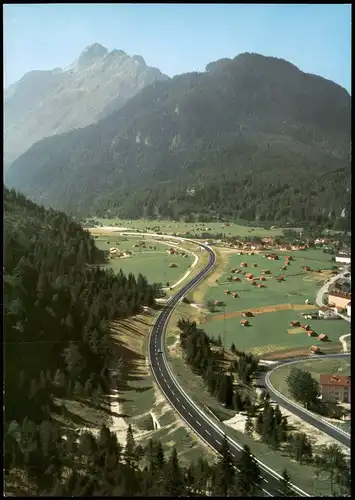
{"points": [[335, 388]]}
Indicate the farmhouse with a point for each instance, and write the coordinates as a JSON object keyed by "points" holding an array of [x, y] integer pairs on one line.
{"points": [[335, 388], [243, 264], [306, 268], [249, 276], [236, 278], [273, 257], [244, 322], [322, 337], [172, 265], [327, 313], [314, 349], [235, 295]]}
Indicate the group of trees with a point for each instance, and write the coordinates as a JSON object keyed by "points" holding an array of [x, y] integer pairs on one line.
{"points": [[303, 387], [267, 421], [198, 354], [58, 305], [68, 463]]}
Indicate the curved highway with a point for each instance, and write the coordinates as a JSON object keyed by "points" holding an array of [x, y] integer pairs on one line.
{"points": [[207, 429], [317, 421]]}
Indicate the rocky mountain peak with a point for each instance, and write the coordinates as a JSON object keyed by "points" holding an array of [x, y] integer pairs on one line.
{"points": [[90, 54]]}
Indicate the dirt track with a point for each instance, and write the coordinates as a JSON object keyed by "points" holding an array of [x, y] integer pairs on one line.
{"points": [[262, 310]]}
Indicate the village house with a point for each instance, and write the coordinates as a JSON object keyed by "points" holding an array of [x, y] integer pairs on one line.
{"points": [[322, 337], [335, 388], [327, 313], [314, 350]]}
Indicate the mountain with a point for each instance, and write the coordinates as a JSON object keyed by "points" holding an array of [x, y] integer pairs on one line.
{"points": [[252, 137], [45, 103]]}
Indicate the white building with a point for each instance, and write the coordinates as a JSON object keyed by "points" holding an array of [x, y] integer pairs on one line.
{"points": [[348, 309], [327, 313], [343, 259]]}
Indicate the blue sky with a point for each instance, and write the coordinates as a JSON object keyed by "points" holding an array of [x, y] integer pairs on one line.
{"points": [[179, 38]]}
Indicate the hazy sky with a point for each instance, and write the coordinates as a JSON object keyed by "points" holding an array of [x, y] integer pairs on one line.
{"points": [[179, 38]]}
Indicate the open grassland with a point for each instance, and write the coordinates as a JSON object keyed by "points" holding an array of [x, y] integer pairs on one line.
{"points": [[274, 306], [152, 262], [168, 226], [270, 332]]}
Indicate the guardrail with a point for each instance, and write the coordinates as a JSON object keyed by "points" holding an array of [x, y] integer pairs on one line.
{"points": [[284, 398], [219, 431]]}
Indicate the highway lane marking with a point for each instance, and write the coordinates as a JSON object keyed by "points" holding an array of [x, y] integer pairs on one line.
{"points": [[199, 423], [207, 432], [190, 415], [270, 495], [266, 481], [183, 407], [218, 442], [177, 399]]}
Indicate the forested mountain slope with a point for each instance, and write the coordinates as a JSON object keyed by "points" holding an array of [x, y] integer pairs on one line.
{"points": [[45, 103], [57, 344], [253, 137]]}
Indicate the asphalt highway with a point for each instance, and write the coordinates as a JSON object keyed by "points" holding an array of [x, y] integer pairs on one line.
{"points": [[199, 422]]}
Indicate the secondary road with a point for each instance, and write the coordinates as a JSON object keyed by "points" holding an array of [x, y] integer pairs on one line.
{"points": [[318, 422], [206, 428]]}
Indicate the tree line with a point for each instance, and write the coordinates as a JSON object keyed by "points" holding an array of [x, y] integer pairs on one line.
{"points": [[58, 309], [58, 462]]}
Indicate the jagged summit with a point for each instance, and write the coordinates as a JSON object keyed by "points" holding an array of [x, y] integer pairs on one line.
{"points": [[90, 54], [45, 103]]}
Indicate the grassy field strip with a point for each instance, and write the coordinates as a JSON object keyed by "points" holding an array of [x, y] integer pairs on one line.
{"points": [[191, 267]]}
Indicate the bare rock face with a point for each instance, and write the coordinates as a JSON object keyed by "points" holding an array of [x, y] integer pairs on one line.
{"points": [[45, 103]]}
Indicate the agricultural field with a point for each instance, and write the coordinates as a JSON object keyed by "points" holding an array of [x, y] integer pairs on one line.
{"points": [[152, 261], [168, 226], [274, 306]]}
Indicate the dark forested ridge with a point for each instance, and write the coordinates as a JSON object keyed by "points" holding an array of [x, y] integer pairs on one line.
{"points": [[253, 138]]}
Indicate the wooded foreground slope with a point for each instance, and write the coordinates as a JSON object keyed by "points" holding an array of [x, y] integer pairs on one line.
{"points": [[253, 138]]}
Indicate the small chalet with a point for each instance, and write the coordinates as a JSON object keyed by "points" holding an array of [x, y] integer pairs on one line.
{"points": [[322, 337], [327, 313], [314, 349]]}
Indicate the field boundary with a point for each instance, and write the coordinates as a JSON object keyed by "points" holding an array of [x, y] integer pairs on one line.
{"points": [[262, 310]]}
